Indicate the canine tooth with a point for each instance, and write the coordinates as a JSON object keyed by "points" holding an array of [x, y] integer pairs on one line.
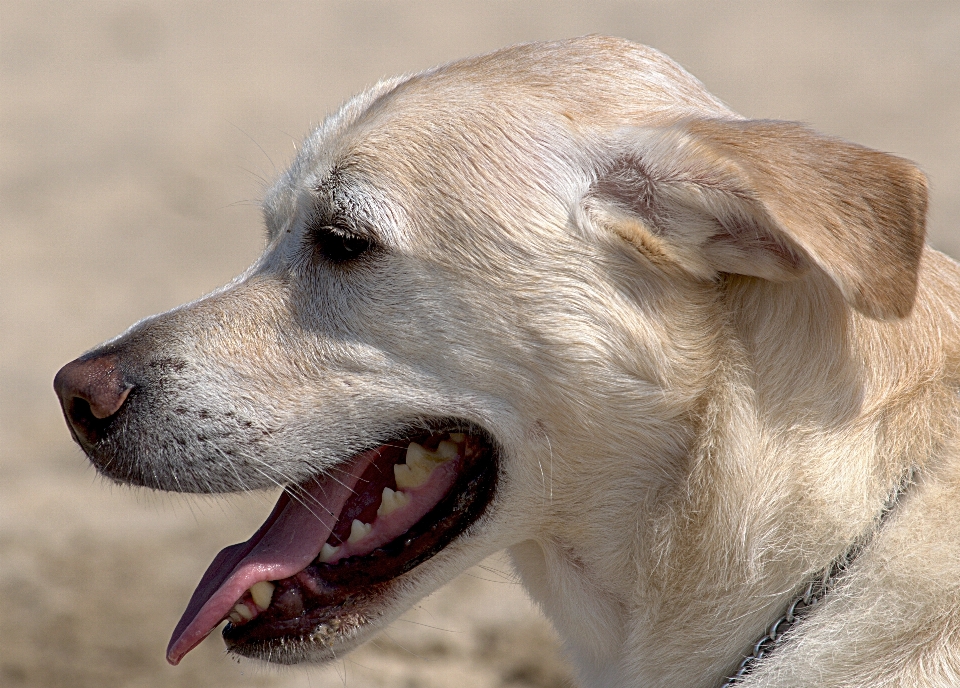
{"points": [[457, 437], [327, 552], [411, 476], [262, 593], [243, 610], [447, 450], [234, 617], [391, 501], [359, 530]]}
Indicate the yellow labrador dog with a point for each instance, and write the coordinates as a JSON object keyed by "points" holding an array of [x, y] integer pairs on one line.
{"points": [[698, 373]]}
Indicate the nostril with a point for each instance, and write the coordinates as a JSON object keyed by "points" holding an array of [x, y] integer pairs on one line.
{"points": [[84, 424], [91, 391]]}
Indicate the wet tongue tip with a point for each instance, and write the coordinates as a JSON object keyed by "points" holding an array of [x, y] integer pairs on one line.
{"points": [[285, 544], [176, 651], [198, 619]]}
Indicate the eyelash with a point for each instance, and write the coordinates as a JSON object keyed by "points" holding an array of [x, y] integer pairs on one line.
{"points": [[337, 244]]}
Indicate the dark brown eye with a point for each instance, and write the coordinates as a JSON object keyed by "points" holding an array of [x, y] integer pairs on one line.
{"points": [[337, 244]]}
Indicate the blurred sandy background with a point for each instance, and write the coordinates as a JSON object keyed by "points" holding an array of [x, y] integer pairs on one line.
{"points": [[135, 141]]}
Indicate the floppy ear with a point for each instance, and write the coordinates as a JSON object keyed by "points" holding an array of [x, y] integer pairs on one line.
{"points": [[768, 199]]}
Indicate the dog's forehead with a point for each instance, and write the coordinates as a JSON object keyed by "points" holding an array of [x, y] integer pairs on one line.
{"points": [[598, 81], [509, 122]]}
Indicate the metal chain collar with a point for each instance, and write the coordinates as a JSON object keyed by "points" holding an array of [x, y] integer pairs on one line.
{"points": [[813, 595]]}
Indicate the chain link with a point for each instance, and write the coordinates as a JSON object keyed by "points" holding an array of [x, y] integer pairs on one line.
{"points": [[813, 594]]}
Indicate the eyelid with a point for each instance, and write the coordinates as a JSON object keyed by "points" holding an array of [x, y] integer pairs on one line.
{"points": [[337, 243], [342, 226], [332, 228], [341, 230]]}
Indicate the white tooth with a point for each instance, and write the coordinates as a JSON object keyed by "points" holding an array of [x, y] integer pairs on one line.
{"points": [[387, 504], [418, 455], [411, 476], [447, 450], [262, 593], [327, 552], [359, 530], [391, 501], [457, 437], [243, 610], [235, 617]]}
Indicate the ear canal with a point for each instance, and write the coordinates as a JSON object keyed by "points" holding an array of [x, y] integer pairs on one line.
{"points": [[770, 199]]}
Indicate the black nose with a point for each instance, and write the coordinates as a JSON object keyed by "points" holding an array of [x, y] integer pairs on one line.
{"points": [[91, 391]]}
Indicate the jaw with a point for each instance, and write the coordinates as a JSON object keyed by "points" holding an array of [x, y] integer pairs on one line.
{"points": [[590, 617], [333, 561]]}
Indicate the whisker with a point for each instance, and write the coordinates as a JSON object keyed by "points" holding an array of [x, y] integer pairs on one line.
{"points": [[295, 491], [354, 661], [436, 628], [303, 497], [506, 575], [403, 647], [256, 143], [341, 483], [488, 580], [550, 448]]}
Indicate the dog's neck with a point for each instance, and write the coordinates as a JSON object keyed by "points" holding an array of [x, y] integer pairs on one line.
{"points": [[754, 514], [813, 595]]}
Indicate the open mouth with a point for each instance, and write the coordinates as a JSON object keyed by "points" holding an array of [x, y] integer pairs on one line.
{"points": [[313, 573]]}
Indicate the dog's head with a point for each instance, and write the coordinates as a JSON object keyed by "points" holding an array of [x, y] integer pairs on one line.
{"points": [[478, 281]]}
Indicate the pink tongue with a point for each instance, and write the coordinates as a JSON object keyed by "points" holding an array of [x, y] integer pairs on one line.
{"points": [[284, 545]]}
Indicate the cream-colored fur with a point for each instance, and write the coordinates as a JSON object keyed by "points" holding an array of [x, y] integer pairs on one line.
{"points": [[710, 348]]}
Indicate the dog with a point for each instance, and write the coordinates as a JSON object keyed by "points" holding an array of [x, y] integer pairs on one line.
{"points": [[697, 373]]}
